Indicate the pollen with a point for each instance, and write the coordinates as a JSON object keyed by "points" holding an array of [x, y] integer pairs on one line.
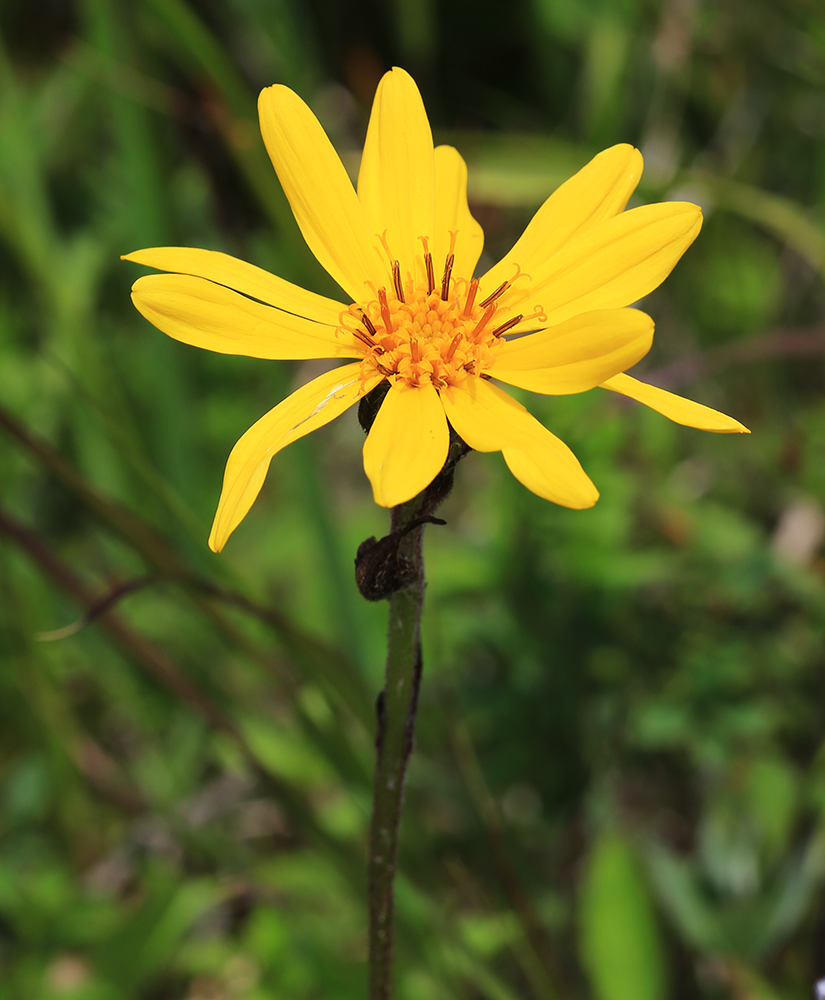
{"points": [[432, 333]]}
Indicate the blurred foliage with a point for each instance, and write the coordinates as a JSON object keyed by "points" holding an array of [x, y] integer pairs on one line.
{"points": [[619, 783]]}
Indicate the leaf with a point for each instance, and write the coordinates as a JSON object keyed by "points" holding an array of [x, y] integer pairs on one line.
{"points": [[619, 940]]}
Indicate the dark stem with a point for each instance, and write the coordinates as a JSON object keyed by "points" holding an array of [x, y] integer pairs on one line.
{"points": [[397, 705]]}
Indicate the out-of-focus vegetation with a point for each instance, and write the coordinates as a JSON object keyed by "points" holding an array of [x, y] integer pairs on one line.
{"points": [[618, 789]]}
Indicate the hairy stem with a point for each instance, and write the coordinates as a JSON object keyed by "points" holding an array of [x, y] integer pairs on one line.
{"points": [[394, 742]]}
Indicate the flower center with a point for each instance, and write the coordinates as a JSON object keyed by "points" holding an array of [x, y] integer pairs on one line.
{"points": [[428, 333]]}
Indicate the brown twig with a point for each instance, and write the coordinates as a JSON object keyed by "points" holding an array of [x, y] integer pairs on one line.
{"points": [[344, 682], [143, 652], [158, 665], [747, 350]]}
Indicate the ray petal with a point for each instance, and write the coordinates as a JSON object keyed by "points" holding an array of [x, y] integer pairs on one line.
{"points": [[488, 419], [578, 354], [307, 409], [242, 277], [319, 191], [452, 214], [599, 191], [397, 176], [201, 313], [407, 444], [609, 266], [676, 408]]}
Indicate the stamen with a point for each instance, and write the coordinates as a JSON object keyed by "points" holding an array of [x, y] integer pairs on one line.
{"points": [[453, 347], [499, 330], [428, 264], [368, 324], [448, 266], [445, 281], [466, 312], [502, 288], [485, 319], [396, 280], [386, 315], [366, 339]]}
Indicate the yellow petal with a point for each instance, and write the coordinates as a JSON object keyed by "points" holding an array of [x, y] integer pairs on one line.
{"points": [[607, 267], [407, 444], [452, 213], [396, 180], [678, 409], [308, 408], [201, 313], [548, 468], [490, 420], [578, 354], [242, 277], [319, 191], [596, 193]]}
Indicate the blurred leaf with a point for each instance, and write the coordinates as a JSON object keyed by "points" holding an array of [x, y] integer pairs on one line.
{"points": [[618, 937]]}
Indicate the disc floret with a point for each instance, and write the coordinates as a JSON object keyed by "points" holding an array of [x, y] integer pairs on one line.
{"points": [[428, 333]]}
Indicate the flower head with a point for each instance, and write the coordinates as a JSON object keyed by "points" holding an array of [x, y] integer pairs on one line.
{"points": [[404, 248]]}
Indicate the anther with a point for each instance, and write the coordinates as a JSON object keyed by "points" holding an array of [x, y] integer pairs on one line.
{"points": [[485, 319], [466, 312], [445, 281], [499, 330], [368, 324], [428, 264], [366, 339], [502, 288], [396, 281], [386, 315]]}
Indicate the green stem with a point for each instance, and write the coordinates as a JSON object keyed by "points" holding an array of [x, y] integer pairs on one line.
{"points": [[396, 724]]}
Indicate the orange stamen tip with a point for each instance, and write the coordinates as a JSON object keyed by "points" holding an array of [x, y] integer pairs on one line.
{"points": [[466, 312], [386, 315], [485, 319]]}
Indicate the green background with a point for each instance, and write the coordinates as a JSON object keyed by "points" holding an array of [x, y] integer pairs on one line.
{"points": [[618, 789]]}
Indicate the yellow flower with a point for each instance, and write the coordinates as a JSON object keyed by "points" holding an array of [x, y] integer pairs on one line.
{"points": [[404, 248]]}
